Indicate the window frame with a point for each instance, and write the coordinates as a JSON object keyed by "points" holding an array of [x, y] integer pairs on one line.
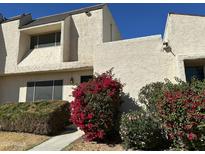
{"points": [[34, 83], [55, 43]]}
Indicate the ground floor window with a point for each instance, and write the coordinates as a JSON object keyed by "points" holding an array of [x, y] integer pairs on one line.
{"points": [[85, 78], [194, 71], [44, 90]]}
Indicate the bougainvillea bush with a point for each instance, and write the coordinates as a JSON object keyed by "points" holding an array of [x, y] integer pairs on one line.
{"points": [[96, 106], [182, 110]]}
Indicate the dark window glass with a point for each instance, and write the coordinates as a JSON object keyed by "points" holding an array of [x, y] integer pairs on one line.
{"points": [[85, 78], [58, 38], [197, 72], [43, 90], [30, 92], [33, 42], [46, 40], [58, 89]]}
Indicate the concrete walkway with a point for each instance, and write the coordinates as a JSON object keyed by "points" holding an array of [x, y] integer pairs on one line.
{"points": [[59, 142]]}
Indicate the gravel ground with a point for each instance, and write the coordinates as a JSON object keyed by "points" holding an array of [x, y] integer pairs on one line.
{"points": [[81, 145]]}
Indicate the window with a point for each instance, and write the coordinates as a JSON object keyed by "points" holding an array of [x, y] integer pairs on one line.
{"points": [[194, 71], [85, 78], [45, 40], [44, 90]]}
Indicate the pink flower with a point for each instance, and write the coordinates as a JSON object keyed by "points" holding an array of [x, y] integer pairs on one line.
{"points": [[90, 116], [100, 134], [90, 125], [170, 136], [82, 115], [192, 136]]}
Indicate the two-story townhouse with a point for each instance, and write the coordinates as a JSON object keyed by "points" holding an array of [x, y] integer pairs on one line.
{"points": [[45, 58]]}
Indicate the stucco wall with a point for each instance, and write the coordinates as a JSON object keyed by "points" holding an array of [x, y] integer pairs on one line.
{"points": [[110, 29], [74, 37], [89, 29], [24, 46], [66, 39], [42, 56], [87, 33], [13, 88], [3, 52], [185, 36], [11, 37], [136, 62]]}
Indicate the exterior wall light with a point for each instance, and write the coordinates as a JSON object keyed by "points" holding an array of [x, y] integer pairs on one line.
{"points": [[166, 47], [71, 80], [88, 13]]}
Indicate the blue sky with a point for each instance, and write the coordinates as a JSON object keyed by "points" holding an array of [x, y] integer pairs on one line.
{"points": [[134, 20]]}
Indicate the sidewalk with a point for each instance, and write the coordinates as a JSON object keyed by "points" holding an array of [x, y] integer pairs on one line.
{"points": [[59, 142]]}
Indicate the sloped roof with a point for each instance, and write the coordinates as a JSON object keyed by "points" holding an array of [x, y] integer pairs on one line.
{"points": [[60, 17]]}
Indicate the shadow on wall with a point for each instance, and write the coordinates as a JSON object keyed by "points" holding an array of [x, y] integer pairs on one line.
{"points": [[74, 42], [10, 88], [129, 103], [3, 53]]}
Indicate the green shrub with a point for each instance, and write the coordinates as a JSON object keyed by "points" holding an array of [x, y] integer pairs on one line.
{"points": [[149, 95], [181, 109], [139, 131], [46, 118]]}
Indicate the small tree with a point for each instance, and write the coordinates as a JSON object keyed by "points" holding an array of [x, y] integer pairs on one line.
{"points": [[95, 106]]}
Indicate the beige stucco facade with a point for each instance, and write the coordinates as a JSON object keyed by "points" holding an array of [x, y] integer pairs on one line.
{"points": [[81, 33], [136, 62], [184, 33], [91, 42], [13, 88]]}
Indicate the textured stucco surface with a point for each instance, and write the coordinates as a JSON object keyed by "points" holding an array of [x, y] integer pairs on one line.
{"points": [[110, 29], [136, 62], [13, 88], [89, 29], [83, 42], [87, 44], [42, 56], [11, 37], [184, 34]]}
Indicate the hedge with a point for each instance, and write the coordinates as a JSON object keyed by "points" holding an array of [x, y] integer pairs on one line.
{"points": [[45, 118]]}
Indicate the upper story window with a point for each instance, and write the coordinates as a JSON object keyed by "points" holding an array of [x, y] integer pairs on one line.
{"points": [[45, 40]]}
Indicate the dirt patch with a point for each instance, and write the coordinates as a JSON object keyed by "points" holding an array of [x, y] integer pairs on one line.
{"points": [[11, 141], [81, 145]]}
